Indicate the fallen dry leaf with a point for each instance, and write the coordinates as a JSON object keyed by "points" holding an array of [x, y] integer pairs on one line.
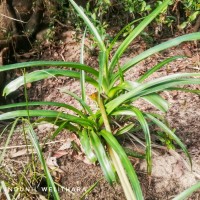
{"points": [[66, 145], [59, 154], [22, 153]]}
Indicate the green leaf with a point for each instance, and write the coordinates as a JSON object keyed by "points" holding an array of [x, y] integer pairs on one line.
{"points": [[153, 86], [130, 152], [94, 31], [194, 15], [43, 74], [129, 112], [44, 103], [170, 133], [5, 189], [102, 69], [165, 45], [157, 67], [157, 101], [36, 145], [185, 90], [82, 75], [90, 26], [59, 129], [8, 139], [102, 158], [47, 113], [110, 139], [89, 190], [124, 129], [154, 99], [85, 142], [123, 111], [145, 127], [82, 103], [50, 63], [135, 112], [135, 33], [187, 192], [120, 33], [167, 85]]}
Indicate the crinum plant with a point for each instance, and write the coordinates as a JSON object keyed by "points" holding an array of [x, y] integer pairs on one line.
{"points": [[114, 98]]}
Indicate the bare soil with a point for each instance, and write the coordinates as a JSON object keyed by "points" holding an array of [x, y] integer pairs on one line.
{"points": [[171, 172]]}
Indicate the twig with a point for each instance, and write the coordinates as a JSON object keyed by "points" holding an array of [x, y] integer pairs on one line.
{"points": [[23, 146], [63, 25], [12, 18], [197, 68]]}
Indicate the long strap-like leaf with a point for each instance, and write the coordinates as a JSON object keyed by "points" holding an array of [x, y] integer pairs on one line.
{"points": [[111, 140], [90, 26], [154, 86], [50, 63], [47, 113], [135, 33], [43, 74], [153, 50]]}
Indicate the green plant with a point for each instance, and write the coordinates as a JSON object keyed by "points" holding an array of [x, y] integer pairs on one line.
{"points": [[192, 10], [186, 193], [21, 185], [114, 97], [180, 14]]}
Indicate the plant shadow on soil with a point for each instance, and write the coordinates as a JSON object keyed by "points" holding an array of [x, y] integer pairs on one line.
{"points": [[171, 172]]}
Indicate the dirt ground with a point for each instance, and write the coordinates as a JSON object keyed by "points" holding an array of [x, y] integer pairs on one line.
{"points": [[171, 172]]}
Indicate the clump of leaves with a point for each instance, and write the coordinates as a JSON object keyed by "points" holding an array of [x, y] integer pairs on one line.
{"points": [[192, 11], [180, 14], [114, 97]]}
